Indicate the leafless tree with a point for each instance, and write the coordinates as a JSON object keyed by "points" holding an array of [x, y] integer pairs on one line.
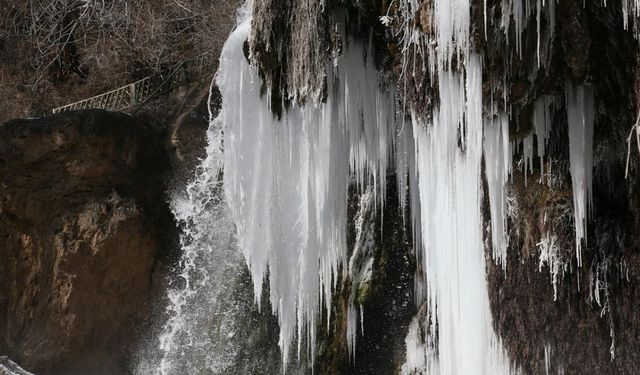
{"points": [[56, 51]]}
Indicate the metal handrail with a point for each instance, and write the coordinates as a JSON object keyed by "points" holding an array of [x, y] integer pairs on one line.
{"points": [[145, 89]]}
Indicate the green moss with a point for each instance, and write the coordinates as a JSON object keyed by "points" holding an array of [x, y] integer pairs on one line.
{"points": [[364, 291]]}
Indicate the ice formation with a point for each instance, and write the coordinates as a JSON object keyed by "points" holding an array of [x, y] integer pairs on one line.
{"points": [[449, 178], [415, 360], [542, 116], [630, 8], [286, 180], [454, 334], [580, 117], [519, 12], [360, 265], [406, 174], [599, 292], [550, 255], [549, 358], [498, 160], [451, 19], [286, 184], [527, 156]]}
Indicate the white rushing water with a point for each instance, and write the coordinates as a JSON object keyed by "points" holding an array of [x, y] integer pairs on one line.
{"points": [[197, 293], [199, 334], [207, 252]]}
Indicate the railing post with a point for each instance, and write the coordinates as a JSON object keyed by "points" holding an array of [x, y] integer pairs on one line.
{"points": [[132, 95]]}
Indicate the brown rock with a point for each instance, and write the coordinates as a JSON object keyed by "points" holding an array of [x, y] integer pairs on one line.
{"points": [[81, 212]]}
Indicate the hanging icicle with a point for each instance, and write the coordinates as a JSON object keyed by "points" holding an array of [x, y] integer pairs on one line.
{"points": [[287, 180], [580, 117], [497, 157]]}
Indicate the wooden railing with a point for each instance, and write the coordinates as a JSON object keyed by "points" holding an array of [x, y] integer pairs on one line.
{"points": [[140, 92]]}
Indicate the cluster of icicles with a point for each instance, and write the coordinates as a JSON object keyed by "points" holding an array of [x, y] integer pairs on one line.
{"points": [[286, 182]]}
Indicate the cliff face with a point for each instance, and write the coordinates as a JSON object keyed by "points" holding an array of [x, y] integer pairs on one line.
{"points": [[547, 307], [383, 266], [82, 217]]}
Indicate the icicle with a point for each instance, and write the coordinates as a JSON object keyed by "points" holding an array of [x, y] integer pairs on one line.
{"points": [[538, 6], [580, 117], [625, 14], [519, 11], [287, 180], [552, 17], [542, 125], [408, 182], [360, 265], [527, 156], [453, 251], [547, 358], [451, 273], [630, 8], [497, 156], [352, 326], [484, 13], [453, 19]]}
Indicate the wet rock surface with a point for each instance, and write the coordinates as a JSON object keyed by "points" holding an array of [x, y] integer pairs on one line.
{"points": [[386, 299]]}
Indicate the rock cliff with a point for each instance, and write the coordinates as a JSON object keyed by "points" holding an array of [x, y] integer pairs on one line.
{"points": [[83, 221]]}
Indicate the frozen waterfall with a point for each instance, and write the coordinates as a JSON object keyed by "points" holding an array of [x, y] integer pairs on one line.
{"points": [[282, 203], [286, 182]]}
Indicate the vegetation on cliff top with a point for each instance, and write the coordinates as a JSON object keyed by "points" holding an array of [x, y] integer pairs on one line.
{"points": [[53, 52]]}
